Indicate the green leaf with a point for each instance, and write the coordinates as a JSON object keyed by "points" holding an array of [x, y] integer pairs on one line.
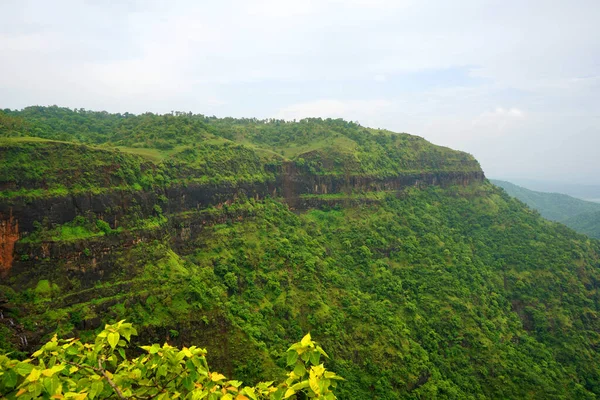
{"points": [[278, 395], [96, 388], [9, 379], [154, 349], [51, 384], [187, 383], [23, 368], [320, 350], [300, 370], [292, 356], [250, 393], [315, 356], [300, 385], [34, 375], [113, 339], [306, 340]]}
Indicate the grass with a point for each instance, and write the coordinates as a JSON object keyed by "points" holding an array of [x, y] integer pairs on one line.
{"points": [[153, 155], [340, 143]]}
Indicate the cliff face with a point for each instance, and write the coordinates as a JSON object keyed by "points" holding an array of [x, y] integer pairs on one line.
{"points": [[9, 234], [19, 217]]}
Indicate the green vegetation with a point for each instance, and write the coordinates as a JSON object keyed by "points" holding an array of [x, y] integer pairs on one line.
{"points": [[195, 147], [586, 223], [416, 292], [580, 215], [441, 293], [71, 369], [79, 228]]}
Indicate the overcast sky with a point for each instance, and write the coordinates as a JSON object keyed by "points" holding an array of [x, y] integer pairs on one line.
{"points": [[515, 83]]}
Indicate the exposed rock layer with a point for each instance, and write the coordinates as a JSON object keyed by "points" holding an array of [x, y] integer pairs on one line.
{"points": [[19, 217]]}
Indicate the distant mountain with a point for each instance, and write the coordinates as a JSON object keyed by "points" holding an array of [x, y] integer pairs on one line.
{"points": [[581, 191], [580, 215]]}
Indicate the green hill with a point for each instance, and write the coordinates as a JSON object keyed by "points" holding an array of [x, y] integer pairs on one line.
{"points": [[586, 223], [580, 215], [554, 206], [420, 278]]}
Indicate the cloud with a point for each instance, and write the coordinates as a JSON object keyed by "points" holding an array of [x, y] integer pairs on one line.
{"points": [[500, 113], [331, 108], [429, 68]]}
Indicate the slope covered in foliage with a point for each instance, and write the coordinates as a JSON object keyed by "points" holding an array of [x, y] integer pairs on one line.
{"points": [[580, 215], [586, 223], [418, 288], [325, 147]]}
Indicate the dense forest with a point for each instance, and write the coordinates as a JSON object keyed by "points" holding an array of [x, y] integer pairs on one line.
{"points": [[419, 277], [580, 215]]}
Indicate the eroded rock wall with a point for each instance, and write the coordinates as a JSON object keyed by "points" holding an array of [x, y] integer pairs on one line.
{"points": [[19, 217]]}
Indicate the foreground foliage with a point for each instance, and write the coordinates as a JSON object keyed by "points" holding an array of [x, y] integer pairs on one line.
{"points": [[72, 369]]}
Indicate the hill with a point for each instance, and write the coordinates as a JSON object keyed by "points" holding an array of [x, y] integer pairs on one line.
{"points": [[580, 215], [589, 192], [586, 223], [419, 277]]}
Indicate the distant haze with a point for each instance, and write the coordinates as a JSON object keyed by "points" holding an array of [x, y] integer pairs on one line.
{"points": [[515, 83], [581, 191]]}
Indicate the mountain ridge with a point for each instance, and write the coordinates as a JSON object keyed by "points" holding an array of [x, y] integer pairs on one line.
{"points": [[419, 277], [577, 214]]}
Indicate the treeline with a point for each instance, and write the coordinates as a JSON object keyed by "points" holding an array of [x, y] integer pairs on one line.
{"points": [[321, 145]]}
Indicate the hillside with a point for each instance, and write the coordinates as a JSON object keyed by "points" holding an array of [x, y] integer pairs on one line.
{"points": [[580, 215], [586, 223], [419, 277], [588, 192]]}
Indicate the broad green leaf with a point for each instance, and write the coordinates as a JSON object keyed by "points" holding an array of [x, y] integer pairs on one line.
{"points": [[215, 377], [306, 340], [314, 384], [96, 388], [9, 380], [278, 395], [23, 368], [315, 357], [300, 385], [250, 392], [320, 350], [292, 356], [52, 385], [113, 339], [300, 370], [154, 349], [34, 375]]}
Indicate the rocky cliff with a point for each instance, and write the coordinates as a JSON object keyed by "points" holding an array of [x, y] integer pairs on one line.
{"points": [[19, 217]]}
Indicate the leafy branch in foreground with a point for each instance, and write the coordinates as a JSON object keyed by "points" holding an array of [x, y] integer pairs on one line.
{"points": [[69, 369]]}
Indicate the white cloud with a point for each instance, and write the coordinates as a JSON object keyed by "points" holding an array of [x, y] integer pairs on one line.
{"points": [[330, 108], [500, 113], [386, 63]]}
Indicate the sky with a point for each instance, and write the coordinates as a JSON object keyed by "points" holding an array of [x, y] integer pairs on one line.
{"points": [[515, 83]]}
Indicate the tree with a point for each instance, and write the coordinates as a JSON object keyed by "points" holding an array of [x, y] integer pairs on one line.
{"points": [[70, 369]]}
